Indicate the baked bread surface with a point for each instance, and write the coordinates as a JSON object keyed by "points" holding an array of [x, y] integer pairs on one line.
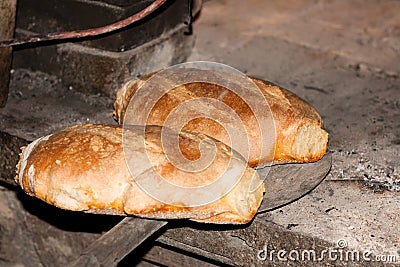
{"points": [[299, 135], [84, 168]]}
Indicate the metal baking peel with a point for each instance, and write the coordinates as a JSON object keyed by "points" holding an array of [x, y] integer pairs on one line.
{"points": [[289, 182], [283, 185]]}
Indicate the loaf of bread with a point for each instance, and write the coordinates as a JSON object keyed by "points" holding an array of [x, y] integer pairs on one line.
{"points": [[125, 171], [299, 136]]}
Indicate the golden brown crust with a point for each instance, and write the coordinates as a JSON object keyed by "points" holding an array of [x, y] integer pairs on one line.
{"points": [[290, 114], [83, 168]]}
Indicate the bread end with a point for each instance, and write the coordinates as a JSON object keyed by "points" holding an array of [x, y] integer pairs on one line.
{"points": [[310, 143]]}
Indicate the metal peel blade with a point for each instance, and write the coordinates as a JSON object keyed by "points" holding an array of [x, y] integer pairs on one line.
{"points": [[284, 184], [289, 182]]}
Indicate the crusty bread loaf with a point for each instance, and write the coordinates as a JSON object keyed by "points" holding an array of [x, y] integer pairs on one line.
{"points": [[83, 168], [299, 136]]}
